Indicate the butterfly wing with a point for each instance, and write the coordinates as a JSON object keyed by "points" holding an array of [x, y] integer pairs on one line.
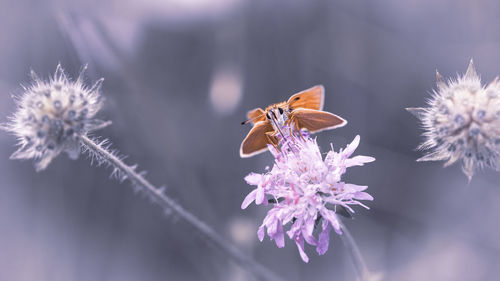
{"points": [[316, 121], [256, 140], [256, 115], [311, 98]]}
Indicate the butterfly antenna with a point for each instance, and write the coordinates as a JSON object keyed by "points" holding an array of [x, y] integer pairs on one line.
{"points": [[250, 120]]}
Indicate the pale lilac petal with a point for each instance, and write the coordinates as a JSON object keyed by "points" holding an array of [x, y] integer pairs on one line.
{"points": [[307, 231], [272, 226], [363, 196], [271, 216], [260, 196], [300, 245], [249, 199], [349, 150], [279, 236], [349, 187], [309, 225], [332, 218], [309, 238], [338, 231], [265, 202], [294, 229], [359, 160], [260, 233], [253, 178], [361, 204], [348, 207], [324, 238]]}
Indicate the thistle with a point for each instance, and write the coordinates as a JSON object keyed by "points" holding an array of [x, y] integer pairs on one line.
{"points": [[462, 123], [306, 192], [53, 116], [57, 116]]}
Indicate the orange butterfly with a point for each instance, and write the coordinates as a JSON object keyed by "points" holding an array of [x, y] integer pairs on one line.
{"points": [[302, 110]]}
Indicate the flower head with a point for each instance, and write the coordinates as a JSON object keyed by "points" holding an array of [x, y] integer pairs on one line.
{"points": [[306, 191], [462, 122], [51, 117]]}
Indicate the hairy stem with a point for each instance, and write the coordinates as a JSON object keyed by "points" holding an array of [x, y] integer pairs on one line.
{"points": [[357, 259], [166, 203]]}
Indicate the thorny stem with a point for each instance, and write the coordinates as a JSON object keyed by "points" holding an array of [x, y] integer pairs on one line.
{"points": [[357, 259], [158, 196]]}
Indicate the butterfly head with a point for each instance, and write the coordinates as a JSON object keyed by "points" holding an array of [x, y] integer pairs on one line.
{"points": [[277, 114]]}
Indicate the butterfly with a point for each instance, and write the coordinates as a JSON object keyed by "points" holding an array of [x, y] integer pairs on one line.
{"points": [[303, 110]]}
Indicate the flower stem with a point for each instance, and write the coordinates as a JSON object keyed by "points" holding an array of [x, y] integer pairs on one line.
{"points": [[166, 203], [357, 259]]}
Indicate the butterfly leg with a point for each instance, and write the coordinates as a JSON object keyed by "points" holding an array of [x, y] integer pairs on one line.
{"points": [[296, 122], [291, 135], [289, 122], [270, 136]]}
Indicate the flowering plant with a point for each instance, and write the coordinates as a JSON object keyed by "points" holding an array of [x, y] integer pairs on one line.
{"points": [[306, 191]]}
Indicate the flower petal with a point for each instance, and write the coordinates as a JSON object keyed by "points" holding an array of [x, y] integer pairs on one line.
{"points": [[363, 196], [359, 160], [279, 236], [349, 187], [332, 218], [260, 196], [253, 178], [307, 231], [324, 238], [300, 245], [309, 238], [351, 147], [260, 233], [249, 199]]}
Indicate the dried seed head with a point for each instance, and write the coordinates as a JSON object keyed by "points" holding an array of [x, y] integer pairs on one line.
{"points": [[52, 116], [462, 122]]}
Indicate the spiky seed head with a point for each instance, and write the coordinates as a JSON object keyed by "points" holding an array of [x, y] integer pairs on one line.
{"points": [[52, 116], [462, 122]]}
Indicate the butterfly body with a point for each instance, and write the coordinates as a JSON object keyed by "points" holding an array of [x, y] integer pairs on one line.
{"points": [[302, 111]]}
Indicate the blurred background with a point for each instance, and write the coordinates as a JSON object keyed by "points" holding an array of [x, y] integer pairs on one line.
{"points": [[180, 76]]}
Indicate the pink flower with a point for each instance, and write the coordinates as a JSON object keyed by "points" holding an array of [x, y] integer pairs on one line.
{"points": [[306, 190]]}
